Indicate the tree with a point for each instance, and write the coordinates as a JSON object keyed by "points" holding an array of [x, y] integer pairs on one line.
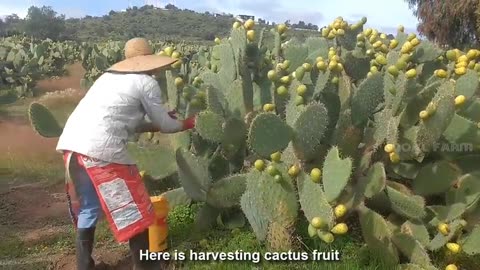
{"points": [[448, 22], [44, 23]]}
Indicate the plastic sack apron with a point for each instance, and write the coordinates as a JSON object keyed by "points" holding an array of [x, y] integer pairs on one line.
{"points": [[121, 192]]}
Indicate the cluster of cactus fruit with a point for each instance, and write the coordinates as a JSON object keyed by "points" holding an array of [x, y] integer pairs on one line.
{"points": [[23, 61], [348, 124]]}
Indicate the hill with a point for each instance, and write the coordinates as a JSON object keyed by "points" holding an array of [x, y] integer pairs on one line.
{"points": [[168, 24]]}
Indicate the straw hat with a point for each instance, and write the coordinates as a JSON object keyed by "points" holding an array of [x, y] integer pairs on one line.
{"points": [[139, 57]]}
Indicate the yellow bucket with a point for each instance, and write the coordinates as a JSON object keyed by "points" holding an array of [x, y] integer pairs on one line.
{"points": [[158, 231]]}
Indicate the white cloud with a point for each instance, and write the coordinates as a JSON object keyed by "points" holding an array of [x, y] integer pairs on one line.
{"points": [[20, 8]]}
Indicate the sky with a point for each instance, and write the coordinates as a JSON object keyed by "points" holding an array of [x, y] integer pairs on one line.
{"points": [[384, 15]]}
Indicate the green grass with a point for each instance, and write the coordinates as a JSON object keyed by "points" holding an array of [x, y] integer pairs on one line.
{"points": [[182, 235]]}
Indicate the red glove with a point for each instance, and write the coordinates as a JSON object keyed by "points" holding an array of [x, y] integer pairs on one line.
{"points": [[189, 123]]}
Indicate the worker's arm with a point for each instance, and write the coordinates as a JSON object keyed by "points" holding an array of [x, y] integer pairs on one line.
{"points": [[162, 120]]}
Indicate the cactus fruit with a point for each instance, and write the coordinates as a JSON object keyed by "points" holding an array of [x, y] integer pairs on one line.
{"points": [[451, 267], [443, 228], [259, 164], [317, 223], [340, 211], [454, 247], [339, 229], [316, 175]]}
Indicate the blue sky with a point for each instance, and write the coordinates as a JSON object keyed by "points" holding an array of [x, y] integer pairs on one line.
{"points": [[382, 14]]}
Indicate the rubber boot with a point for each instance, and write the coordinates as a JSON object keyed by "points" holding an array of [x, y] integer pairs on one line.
{"points": [[138, 243], [84, 248]]}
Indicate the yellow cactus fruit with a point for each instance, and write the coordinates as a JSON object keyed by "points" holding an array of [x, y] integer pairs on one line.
{"points": [[142, 174], [394, 157], [307, 67], [383, 36], [393, 44], [460, 100], [285, 79], [423, 115], [412, 73], [339, 67], [161, 53], [389, 148], [276, 157], [368, 32], [251, 35], [471, 64], [373, 69], [325, 32], [332, 65], [286, 64], [259, 164], [401, 28], [406, 47], [443, 228], [332, 34], [451, 55], [281, 28], [318, 59], [476, 67], [463, 58], [326, 237], [272, 75], [317, 222], [237, 25], [301, 89], [377, 44], [321, 65], [441, 73], [217, 40], [179, 82], [411, 36], [415, 42], [369, 74], [340, 210], [176, 55], [471, 54], [454, 247], [451, 267], [340, 32], [461, 64], [339, 229], [168, 51], [381, 59], [461, 71], [293, 171], [249, 24], [316, 175], [268, 107], [393, 70]]}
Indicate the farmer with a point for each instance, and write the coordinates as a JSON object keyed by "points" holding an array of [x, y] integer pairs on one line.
{"points": [[101, 177]]}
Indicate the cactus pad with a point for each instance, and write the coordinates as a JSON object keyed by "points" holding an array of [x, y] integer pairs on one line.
{"points": [[209, 126], [309, 130], [406, 205], [176, 197], [367, 98], [313, 201], [336, 174], [467, 85], [157, 160], [193, 174], [418, 230], [268, 134], [43, 121], [226, 192], [412, 249], [375, 181], [470, 245], [435, 178]]}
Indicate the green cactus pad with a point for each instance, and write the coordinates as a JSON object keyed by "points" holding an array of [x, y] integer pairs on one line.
{"points": [[149, 157], [345, 91], [412, 249], [210, 78], [317, 46], [435, 178], [322, 82], [392, 58], [234, 136], [268, 134], [409, 116], [432, 128], [407, 170], [417, 230], [425, 52], [375, 181], [255, 214], [181, 139], [228, 71], [309, 130], [43, 121], [227, 191], [313, 201], [367, 98], [470, 245], [296, 54], [471, 110], [468, 191], [467, 84], [407, 89], [336, 174], [240, 101], [356, 65], [406, 205], [206, 218], [172, 90], [446, 213], [176, 197], [440, 240], [193, 175], [216, 101], [377, 235], [209, 126], [462, 131]]}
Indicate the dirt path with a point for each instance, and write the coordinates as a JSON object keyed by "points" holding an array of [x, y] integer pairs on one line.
{"points": [[75, 73]]}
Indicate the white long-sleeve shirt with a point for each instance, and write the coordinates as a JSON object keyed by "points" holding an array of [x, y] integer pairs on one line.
{"points": [[109, 114]]}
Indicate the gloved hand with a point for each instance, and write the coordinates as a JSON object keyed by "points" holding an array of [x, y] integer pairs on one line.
{"points": [[189, 123]]}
